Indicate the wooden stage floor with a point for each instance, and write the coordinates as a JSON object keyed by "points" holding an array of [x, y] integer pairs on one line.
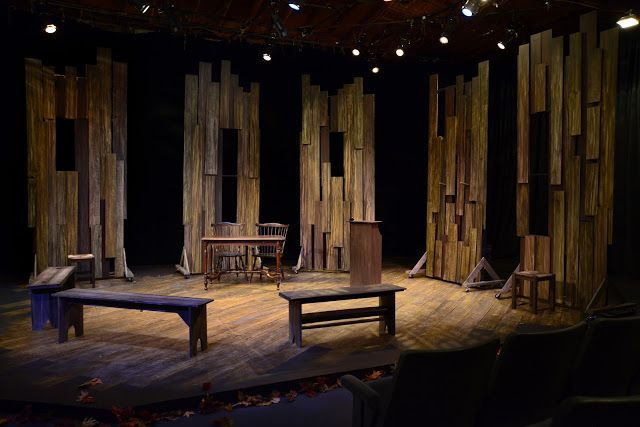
{"points": [[142, 357]]}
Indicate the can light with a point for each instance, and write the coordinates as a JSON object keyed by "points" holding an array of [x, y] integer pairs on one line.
{"points": [[355, 51], [50, 28], [629, 20]]}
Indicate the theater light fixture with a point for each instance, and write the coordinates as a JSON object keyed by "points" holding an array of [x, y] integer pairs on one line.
{"points": [[295, 5], [145, 8], [50, 28], [509, 37], [375, 69], [266, 56], [355, 51], [470, 7], [446, 32], [629, 20]]}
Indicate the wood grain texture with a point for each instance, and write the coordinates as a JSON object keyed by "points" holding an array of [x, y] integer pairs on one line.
{"points": [[523, 115], [574, 83], [110, 216], [369, 164], [594, 76], [522, 210], [558, 242], [212, 129], [225, 94], [609, 46], [593, 132], [590, 190], [586, 286], [539, 97], [556, 74]]}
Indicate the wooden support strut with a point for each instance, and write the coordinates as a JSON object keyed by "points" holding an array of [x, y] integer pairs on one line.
{"points": [[508, 284], [417, 269], [128, 274], [482, 265], [183, 266]]}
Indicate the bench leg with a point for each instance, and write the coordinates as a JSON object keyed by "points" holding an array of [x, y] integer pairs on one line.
{"points": [[40, 310], [389, 319], [197, 323], [69, 314], [295, 323]]}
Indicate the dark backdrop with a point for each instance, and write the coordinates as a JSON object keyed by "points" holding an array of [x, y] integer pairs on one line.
{"points": [[157, 65]]}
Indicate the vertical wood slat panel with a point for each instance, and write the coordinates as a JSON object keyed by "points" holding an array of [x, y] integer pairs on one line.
{"points": [[556, 74], [33, 85], [574, 99], [369, 164], [96, 247], [572, 200], [95, 149], [190, 122], [558, 242], [450, 155], [70, 93], [461, 146], [535, 58], [120, 122], [593, 133], [82, 98], [82, 166], [236, 113], [600, 247], [357, 128], [225, 94], [434, 144], [431, 242], [204, 79], [105, 71], [474, 155], [212, 129], [110, 216], [594, 76], [585, 268], [196, 183], [473, 248], [254, 131], [120, 217], [543, 261], [522, 209], [609, 46], [590, 191], [483, 136], [539, 97], [437, 259], [523, 114]]}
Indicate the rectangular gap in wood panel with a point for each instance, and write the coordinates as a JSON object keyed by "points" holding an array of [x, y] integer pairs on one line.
{"points": [[229, 198], [65, 145], [539, 173], [229, 147], [336, 153]]}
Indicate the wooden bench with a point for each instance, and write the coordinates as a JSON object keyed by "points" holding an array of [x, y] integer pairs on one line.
{"points": [[192, 310], [43, 307], [384, 312]]}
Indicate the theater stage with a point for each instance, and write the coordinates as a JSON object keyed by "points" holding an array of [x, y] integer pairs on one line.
{"points": [[142, 357]]}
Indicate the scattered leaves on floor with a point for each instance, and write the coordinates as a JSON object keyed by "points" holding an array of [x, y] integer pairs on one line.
{"points": [[85, 397]]}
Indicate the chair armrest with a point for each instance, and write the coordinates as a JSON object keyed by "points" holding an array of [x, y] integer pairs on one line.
{"points": [[362, 391]]}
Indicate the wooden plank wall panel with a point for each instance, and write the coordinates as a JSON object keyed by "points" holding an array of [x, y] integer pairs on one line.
{"points": [[523, 114], [82, 210], [209, 108], [556, 74], [326, 202], [369, 164], [557, 239], [457, 167], [120, 217], [581, 89]]}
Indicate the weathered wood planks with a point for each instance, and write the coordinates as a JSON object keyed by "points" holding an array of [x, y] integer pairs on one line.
{"points": [[80, 210], [457, 176], [209, 108], [581, 88], [328, 202]]}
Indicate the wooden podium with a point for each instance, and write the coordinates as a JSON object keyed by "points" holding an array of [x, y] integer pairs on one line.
{"points": [[365, 253]]}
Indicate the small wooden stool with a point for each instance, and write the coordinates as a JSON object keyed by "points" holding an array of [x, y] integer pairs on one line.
{"points": [[534, 277], [85, 258]]}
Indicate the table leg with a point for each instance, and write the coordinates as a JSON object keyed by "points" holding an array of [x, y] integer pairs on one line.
{"points": [[389, 319], [205, 267], [278, 267]]}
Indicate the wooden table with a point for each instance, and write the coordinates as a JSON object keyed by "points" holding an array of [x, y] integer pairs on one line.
{"points": [[210, 273], [193, 311], [384, 312]]}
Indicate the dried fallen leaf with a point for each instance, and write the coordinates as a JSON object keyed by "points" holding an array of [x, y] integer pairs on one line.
{"points": [[85, 397], [291, 396], [374, 375], [89, 422], [187, 414], [91, 383]]}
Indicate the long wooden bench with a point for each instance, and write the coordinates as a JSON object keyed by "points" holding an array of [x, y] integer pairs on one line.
{"points": [[49, 281], [384, 312], [192, 310]]}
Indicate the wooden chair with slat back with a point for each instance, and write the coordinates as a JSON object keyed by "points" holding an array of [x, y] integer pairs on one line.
{"points": [[268, 229], [225, 254]]}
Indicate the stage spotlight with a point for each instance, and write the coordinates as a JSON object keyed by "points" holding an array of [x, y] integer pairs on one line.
{"points": [[629, 20], [470, 8], [355, 51], [266, 56], [375, 69], [446, 32], [295, 5], [145, 8], [50, 28], [509, 37]]}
